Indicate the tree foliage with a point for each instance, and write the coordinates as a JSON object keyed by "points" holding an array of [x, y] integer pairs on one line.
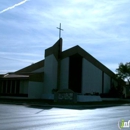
{"points": [[123, 72]]}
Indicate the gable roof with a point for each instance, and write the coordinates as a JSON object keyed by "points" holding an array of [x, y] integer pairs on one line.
{"points": [[67, 53], [78, 50]]}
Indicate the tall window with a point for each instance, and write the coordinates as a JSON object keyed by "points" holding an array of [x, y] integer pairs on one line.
{"points": [[10, 87]]}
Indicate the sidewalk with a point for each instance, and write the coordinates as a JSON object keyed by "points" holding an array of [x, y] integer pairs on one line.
{"points": [[44, 103], [79, 106]]}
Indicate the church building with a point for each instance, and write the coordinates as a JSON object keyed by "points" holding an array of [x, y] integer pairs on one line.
{"points": [[73, 69]]}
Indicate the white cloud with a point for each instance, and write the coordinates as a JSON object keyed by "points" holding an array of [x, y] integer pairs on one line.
{"points": [[7, 58], [2, 54], [11, 7], [100, 27]]}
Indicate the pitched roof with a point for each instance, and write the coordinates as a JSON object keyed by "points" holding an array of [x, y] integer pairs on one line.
{"points": [[31, 68], [67, 53], [78, 50]]}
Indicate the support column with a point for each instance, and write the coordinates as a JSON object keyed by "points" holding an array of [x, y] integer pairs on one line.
{"points": [[6, 85], [1, 86], [10, 86], [15, 87], [102, 82]]}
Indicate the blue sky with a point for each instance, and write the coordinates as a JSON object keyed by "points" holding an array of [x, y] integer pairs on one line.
{"points": [[28, 27]]}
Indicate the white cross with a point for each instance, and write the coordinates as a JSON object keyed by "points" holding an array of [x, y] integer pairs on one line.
{"points": [[60, 29]]}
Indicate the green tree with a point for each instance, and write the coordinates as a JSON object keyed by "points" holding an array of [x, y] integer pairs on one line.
{"points": [[123, 72]]}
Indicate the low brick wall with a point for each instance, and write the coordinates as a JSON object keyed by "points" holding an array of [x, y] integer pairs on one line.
{"points": [[48, 96], [87, 98], [110, 99]]}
